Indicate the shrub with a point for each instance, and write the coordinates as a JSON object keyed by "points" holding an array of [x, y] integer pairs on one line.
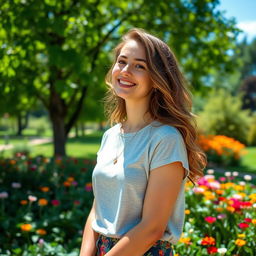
{"points": [[222, 115]]}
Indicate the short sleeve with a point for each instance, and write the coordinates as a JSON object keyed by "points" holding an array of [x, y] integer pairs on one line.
{"points": [[171, 148]]}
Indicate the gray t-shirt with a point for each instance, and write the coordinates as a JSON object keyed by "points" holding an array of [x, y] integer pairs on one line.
{"points": [[119, 189]]}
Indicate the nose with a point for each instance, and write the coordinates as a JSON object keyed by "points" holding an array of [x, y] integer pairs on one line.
{"points": [[126, 70]]}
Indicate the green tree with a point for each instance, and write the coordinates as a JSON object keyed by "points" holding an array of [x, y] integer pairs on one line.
{"points": [[59, 50]]}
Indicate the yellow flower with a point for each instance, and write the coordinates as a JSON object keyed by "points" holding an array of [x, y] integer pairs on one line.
{"points": [[26, 227], [187, 211], [240, 242], [241, 235], [253, 221], [41, 231], [239, 187], [185, 240], [208, 195], [42, 202]]}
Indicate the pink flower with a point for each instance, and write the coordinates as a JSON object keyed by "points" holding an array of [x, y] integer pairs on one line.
{"points": [[249, 220], [210, 219], [55, 202], [32, 198], [88, 186], [243, 225], [221, 216], [222, 179]]}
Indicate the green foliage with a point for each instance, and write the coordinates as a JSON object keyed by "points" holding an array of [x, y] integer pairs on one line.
{"points": [[252, 132], [222, 115]]}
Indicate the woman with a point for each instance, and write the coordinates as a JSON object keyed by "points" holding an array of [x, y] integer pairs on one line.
{"points": [[146, 157]]}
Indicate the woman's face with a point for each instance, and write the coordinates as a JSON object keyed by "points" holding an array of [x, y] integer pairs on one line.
{"points": [[130, 75]]}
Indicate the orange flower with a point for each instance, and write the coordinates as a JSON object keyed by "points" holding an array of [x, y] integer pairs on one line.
{"points": [[187, 211], [70, 179], [23, 202], [12, 162], [66, 183], [230, 208], [44, 189], [219, 192], [219, 209], [253, 221], [208, 240], [42, 202], [41, 232], [240, 242], [26, 227]]}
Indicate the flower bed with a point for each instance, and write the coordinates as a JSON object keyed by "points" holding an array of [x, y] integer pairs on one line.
{"points": [[222, 149], [44, 205]]}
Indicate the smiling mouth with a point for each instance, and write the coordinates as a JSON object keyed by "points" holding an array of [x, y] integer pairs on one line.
{"points": [[125, 84]]}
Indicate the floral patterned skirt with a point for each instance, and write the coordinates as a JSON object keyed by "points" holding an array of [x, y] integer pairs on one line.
{"points": [[160, 248]]}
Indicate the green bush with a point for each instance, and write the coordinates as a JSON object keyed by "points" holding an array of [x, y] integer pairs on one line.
{"points": [[252, 132], [223, 115]]}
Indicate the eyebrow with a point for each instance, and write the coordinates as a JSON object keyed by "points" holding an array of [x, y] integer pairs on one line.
{"points": [[138, 59]]}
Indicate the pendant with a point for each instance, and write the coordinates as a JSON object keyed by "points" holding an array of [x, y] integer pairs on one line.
{"points": [[115, 161]]}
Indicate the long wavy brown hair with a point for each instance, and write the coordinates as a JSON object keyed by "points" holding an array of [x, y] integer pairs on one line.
{"points": [[170, 101]]}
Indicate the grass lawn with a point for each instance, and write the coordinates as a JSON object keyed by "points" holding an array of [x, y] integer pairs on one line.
{"points": [[82, 147]]}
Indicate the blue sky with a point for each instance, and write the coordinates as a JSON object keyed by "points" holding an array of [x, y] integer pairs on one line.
{"points": [[244, 11]]}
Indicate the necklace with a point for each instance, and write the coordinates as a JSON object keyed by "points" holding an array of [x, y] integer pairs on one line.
{"points": [[119, 136]]}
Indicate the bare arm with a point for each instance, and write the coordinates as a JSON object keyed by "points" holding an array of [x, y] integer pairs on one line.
{"points": [[162, 191], [88, 247]]}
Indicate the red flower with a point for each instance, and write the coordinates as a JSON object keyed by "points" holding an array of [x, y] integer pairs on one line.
{"points": [[55, 202], [212, 250], [249, 220], [210, 219], [243, 225], [221, 198]]}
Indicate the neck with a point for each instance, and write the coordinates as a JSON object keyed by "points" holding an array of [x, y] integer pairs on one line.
{"points": [[137, 117]]}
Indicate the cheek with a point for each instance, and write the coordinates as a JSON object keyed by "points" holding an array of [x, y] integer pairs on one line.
{"points": [[115, 71]]}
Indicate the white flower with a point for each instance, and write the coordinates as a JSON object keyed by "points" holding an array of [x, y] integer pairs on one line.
{"points": [[254, 205], [198, 190], [210, 171], [16, 185], [222, 251], [32, 198], [235, 174], [191, 230], [3, 195], [247, 177], [242, 183], [237, 196], [227, 174], [209, 177]]}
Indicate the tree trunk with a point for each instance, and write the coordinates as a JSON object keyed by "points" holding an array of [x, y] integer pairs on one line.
{"points": [[58, 111], [59, 135], [22, 123]]}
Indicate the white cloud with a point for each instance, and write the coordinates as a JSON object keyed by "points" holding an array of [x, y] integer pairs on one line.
{"points": [[249, 28]]}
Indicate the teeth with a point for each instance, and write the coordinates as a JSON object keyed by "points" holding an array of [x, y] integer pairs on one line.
{"points": [[125, 82]]}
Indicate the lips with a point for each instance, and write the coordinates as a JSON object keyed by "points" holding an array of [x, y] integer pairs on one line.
{"points": [[125, 83]]}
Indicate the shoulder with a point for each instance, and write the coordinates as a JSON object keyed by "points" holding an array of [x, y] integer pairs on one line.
{"points": [[112, 130], [163, 131]]}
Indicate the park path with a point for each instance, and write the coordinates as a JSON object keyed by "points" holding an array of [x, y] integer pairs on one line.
{"points": [[32, 142]]}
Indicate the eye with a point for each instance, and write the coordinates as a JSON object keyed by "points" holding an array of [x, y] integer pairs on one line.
{"points": [[121, 62], [139, 66]]}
